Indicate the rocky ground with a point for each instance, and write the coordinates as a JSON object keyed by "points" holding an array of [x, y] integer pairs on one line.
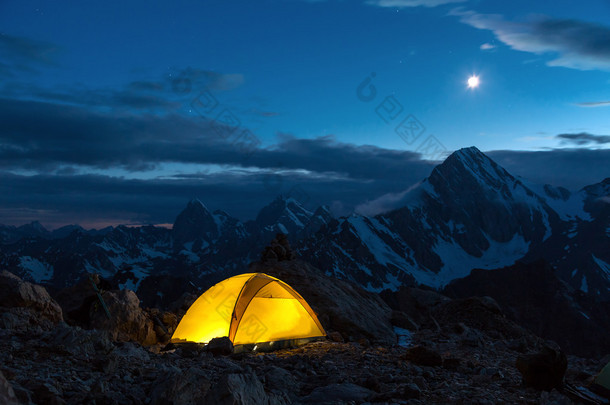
{"points": [[461, 351]]}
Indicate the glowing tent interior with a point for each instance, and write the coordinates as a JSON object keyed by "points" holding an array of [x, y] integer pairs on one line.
{"points": [[249, 308]]}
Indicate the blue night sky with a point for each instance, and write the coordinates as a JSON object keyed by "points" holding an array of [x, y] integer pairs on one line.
{"points": [[119, 112]]}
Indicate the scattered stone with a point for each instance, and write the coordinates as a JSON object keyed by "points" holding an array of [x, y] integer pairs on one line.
{"points": [[220, 346], [543, 370], [409, 391], [338, 394], [336, 337], [280, 379], [423, 356], [402, 320], [7, 395], [177, 387], [238, 389]]}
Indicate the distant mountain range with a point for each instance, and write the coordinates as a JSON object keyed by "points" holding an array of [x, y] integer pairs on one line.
{"points": [[469, 213]]}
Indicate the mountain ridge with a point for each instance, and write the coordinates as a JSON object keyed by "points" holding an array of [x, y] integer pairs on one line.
{"points": [[469, 213]]}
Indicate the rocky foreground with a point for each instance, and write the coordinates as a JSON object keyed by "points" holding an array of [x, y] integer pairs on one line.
{"points": [[461, 351]]}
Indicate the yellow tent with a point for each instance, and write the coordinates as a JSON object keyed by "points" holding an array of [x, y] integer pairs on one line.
{"points": [[249, 308]]}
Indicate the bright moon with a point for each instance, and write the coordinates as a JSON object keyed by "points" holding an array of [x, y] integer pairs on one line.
{"points": [[473, 81]]}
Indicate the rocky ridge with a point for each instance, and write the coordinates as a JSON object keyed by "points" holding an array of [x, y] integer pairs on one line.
{"points": [[458, 351]]}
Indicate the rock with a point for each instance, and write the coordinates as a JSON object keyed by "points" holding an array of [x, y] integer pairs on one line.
{"points": [[371, 382], [14, 292], [76, 300], [409, 391], [127, 320], [279, 379], [340, 305], [451, 363], [478, 313], [46, 393], [7, 395], [543, 370], [470, 337], [182, 304], [278, 250], [336, 337], [423, 356], [78, 342], [534, 295], [416, 303], [403, 320], [132, 351], [237, 389], [178, 387], [220, 346], [338, 394], [170, 320]]}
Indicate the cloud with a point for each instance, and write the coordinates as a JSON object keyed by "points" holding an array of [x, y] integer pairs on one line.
{"points": [[27, 50], [65, 135], [160, 96], [573, 43], [57, 200], [411, 3], [23, 55], [594, 104], [584, 138], [570, 168], [384, 203], [487, 46], [65, 141]]}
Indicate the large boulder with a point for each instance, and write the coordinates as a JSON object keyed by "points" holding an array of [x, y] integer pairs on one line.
{"points": [[340, 305], [180, 387], [415, 303], [7, 395], [16, 293], [238, 388], [278, 250], [220, 346], [338, 394], [534, 296], [543, 370], [127, 322], [76, 300], [423, 356]]}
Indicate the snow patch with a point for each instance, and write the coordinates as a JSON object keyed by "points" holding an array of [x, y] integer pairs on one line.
{"points": [[583, 285], [133, 283], [457, 263], [37, 270], [190, 256], [282, 228], [605, 267], [405, 336]]}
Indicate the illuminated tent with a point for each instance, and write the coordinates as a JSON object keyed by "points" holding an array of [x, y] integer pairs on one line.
{"points": [[249, 308]]}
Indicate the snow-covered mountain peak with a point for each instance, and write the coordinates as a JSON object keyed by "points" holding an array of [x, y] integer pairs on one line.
{"points": [[470, 165]]}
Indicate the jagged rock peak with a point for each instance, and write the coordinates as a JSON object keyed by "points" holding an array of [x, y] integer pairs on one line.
{"points": [[278, 250], [196, 203], [470, 163], [194, 222]]}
